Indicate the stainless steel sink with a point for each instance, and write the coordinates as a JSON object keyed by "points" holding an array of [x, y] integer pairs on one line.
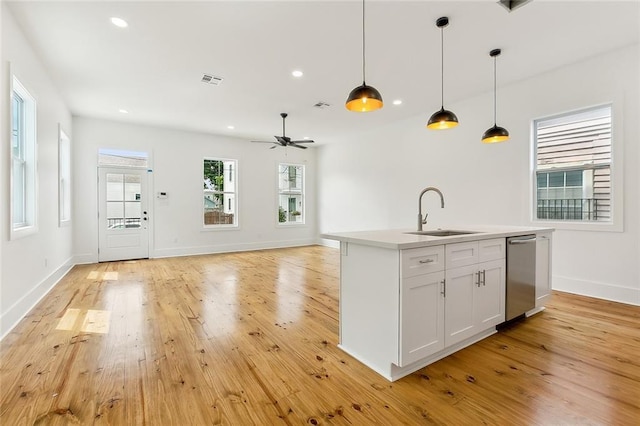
{"points": [[441, 233]]}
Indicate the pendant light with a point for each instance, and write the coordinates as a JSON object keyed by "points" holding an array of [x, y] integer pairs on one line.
{"points": [[364, 98], [443, 119], [496, 133]]}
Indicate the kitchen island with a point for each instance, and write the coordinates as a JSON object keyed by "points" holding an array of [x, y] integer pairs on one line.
{"points": [[407, 300]]}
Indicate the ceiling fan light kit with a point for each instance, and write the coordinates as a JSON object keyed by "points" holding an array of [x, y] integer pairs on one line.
{"points": [[496, 133], [364, 98], [443, 119]]}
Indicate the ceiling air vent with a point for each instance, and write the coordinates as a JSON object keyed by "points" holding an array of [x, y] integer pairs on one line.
{"points": [[512, 5], [211, 79], [321, 105]]}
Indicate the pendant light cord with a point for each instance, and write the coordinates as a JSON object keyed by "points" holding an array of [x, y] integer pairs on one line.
{"points": [[442, 67], [495, 97], [363, 46]]}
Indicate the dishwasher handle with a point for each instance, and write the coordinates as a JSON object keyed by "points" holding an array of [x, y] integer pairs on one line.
{"points": [[522, 241]]}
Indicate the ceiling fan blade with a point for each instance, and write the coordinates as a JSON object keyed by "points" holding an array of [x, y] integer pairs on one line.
{"points": [[303, 141], [263, 141], [297, 146], [281, 140], [274, 146]]}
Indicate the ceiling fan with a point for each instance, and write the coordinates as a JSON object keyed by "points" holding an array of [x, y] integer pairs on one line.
{"points": [[285, 140]]}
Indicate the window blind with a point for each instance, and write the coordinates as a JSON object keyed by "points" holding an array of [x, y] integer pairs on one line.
{"points": [[582, 140]]}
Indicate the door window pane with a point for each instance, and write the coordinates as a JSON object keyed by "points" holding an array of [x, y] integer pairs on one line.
{"points": [[124, 193]]}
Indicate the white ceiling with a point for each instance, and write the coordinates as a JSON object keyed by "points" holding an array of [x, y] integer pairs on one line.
{"points": [[153, 68]]}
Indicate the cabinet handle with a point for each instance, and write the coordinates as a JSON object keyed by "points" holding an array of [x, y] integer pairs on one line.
{"points": [[443, 292], [426, 261], [484, 277], [477, 278]]}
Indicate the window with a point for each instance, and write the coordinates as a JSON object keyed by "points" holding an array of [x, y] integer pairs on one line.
{"points": [[290, 194], [122, 158], [220, 192], [23, 161], [573, 167], [64, 178]]}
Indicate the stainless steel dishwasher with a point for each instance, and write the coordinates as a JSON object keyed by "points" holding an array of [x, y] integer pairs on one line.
{"points": [[521, 275]]}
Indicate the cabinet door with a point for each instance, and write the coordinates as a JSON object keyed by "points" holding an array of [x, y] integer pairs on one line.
{"points": [[543, 268], [490, 295], [421, 317], [459, 303]]}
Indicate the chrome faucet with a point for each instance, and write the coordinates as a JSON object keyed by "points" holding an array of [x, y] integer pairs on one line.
{"points": [[422, 221]]}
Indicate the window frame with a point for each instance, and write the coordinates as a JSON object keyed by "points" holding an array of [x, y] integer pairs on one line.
{"points": [[29, 158], [65, 196], [302, 194], [233, 178], [615, 224]]}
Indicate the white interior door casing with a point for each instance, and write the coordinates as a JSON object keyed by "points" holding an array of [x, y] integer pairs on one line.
{"points": [[123, 214]]}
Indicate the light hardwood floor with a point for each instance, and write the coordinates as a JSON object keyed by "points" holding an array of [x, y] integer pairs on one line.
{"points": [[250, 338]]}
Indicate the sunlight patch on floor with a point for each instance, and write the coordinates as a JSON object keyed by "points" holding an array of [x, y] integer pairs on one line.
{"points": [[110, 276], [68, 319], [103, 276], [95, 321], [93, 275]]}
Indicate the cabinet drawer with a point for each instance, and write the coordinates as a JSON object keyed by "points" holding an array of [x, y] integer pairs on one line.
{"points": [[422, 260], [461, 254], [491, 249]]}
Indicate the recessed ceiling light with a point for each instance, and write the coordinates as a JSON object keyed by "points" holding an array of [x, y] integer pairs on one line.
{"points": [[397, 102], [123, 111], [231, 127], [119, 22], [306, 137], [297, 73]]}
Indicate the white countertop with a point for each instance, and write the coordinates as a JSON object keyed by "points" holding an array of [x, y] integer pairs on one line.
{"points": [[398, 239]]}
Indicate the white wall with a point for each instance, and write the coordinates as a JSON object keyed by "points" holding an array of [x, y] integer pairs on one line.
{"points": [[176, 158], [30, 266], [373, 181]]}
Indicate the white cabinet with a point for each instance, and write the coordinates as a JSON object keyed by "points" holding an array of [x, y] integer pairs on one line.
{"points": [[439, 307], [543, 268], [422, 316], [421, 303], [475, 291]]}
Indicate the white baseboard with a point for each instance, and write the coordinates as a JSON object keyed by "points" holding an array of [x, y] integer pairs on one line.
{"points": [[230, 248], [13, 315], [598, 290], [84, 259], [329, 243]]}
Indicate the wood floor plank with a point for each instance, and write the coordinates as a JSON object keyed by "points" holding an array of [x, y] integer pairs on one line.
{"points": [[252, 338]]}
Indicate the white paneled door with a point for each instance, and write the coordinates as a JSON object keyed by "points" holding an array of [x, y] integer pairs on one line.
{"points": [[122, 214]]}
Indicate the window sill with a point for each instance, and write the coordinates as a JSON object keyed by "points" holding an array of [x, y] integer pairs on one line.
{"points": [[22, 232], [580, 226], [209, 228], [291, 225]]}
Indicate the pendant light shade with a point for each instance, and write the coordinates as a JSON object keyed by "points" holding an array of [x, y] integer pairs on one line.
{"points": [[496, 133], [443, 119], [364, 98]]}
